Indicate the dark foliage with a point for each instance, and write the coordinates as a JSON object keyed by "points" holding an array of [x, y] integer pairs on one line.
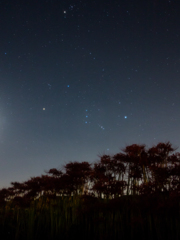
{"points": [[127, 195]]}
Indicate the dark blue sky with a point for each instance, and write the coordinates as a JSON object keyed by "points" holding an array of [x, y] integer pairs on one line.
{"points": [[106, 73]]}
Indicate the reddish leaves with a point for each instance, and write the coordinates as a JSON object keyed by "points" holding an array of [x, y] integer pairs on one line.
{"points": [[135, 171]]}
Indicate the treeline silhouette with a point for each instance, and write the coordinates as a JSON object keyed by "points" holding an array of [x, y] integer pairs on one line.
{"points": [[134, 193]]}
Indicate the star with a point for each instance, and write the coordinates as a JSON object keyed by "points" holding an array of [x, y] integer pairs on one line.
{"points": [[101, 126]]}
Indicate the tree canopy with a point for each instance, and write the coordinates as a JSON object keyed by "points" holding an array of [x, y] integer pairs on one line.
{"points": [[136, 170]]}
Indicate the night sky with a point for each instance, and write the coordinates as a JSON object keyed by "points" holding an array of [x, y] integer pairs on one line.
{"points": [[80, 79]]}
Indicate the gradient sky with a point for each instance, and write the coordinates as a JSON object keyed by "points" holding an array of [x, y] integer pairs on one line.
{"points": [[106, 72]]}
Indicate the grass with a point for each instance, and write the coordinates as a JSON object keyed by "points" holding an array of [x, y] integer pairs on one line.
{"points": [[88, 218]]}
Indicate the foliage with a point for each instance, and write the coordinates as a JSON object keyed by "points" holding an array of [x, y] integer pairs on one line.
{"points": [[128, 195]]}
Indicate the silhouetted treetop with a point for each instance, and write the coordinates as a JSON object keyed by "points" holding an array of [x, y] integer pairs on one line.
{"points": [[54, 172], [136, 170]]}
